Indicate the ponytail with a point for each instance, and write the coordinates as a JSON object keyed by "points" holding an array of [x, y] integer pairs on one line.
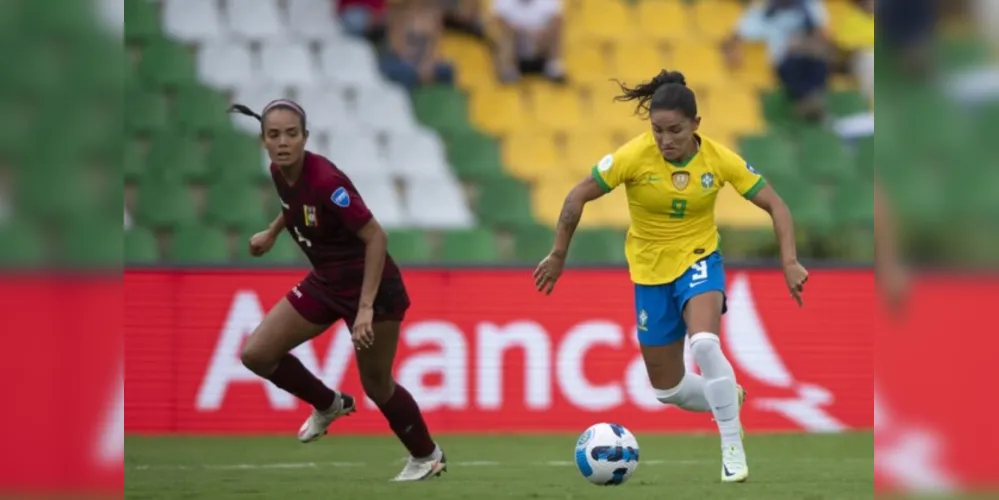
{"points": [[277, 104], [667, 90], [243, 110]]}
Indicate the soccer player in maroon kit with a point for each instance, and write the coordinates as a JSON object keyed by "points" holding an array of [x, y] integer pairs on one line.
{"points": [[353, 279]]}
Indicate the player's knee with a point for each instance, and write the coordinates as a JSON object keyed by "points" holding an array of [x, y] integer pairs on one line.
{"points": [[378, 385], [257, 360], [705, 346]]}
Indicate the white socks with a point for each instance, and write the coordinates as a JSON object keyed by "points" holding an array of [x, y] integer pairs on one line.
{"points": [[689, 395], [719, 386]]}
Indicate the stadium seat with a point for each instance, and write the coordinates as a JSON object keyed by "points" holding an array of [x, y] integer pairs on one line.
{"points": [[845, 103], [92, 242], [357, 153], [586, 63], [437, 203], [498, 111], [312, 19], [474, 60], [469, 246], [285, 251], [853, 206], [23, 246], [236, 205], [408, 246], [287, 63], [555, 108], [236, 156], [474, 155], [442, 109], [348, 62], [225, 64], [532, 243], [529, 156], [133, 162], [165, 64], [326, 106], [140, 246], [597, 246], [606, 20], [504, 203], [197, 244], [664, 19], [174, 155], [716, 20], [772, 155], [143, 21], [200, 110], [825, 156], [584, 149], [701, 63], [383, 108], [192, 20], [638, 60], [382, 198], [253, 19], [165, 204], [147, 112], [418, 154]]}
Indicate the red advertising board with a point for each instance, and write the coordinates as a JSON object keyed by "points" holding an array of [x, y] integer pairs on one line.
{"points": [[482, 351]]}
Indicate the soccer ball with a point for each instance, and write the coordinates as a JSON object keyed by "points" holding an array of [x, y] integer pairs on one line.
{"points": [[607, 454]]}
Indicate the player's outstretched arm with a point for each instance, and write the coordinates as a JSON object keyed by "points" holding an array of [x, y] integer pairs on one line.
{"points": [[551, 267], [794, 273], [262, 242]]}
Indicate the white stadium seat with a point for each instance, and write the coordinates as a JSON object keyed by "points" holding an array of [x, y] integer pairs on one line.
{"points": [[287, 63], [382, 199], [357, 154], [225, 64], [254, 19], [437, 204], [326, 108], [385, 108], [312, 19], [417, 154], [350, 62], [192, 20]]}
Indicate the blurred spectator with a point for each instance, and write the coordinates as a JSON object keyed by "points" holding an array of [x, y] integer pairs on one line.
{"points": [[363, 18], [412, 58], [853, 34], [797, 45], [905, 28], [464, 16], [528, 38]]}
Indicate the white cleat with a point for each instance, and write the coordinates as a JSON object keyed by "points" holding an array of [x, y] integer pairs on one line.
{"points": [[419, 469], [734, 466], [318, 424]]}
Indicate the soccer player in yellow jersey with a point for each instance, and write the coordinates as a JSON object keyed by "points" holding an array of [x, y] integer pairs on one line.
{"points": [[672, 176]]}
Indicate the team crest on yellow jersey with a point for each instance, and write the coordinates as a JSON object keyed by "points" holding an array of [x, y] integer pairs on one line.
{"points": [[680, 180]]}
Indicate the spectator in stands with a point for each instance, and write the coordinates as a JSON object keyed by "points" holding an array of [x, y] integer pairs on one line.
{"points": [[528, 38], [363, 18], [799, 49], [464, 16], [905, 29], [412, 58]]}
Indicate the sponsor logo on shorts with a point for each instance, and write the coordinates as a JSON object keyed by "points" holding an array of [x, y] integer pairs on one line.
{"points": [[341, 197]]}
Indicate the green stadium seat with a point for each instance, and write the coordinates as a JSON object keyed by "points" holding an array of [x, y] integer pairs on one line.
{"points": [[469, 246], [778, 109], [92, 242], [236, 205], [845, 103], [410, 246], [199, 245], [957, 53], [98, 65], [141, 246], [475, 156], [201, 110], [813, 214], [597, 246], [70, 19], [284, 252], [504, 203], [853, 205], [236, 156], [167, 64], [53, 185], [165, 203], [134, 165], [442, 108], [865, 157], [741, 243], [147, 112], [772, 155], [825, 156], [142, 22], [174, 155], [23, 246], [532, 243]]}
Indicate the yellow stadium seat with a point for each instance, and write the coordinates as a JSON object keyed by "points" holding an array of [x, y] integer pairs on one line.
{"points": [[584, 149], [716, 20], [663, 19], [638, 61], [612, 116], [530, 156], [498, 110], [610, 210], [586, 62], [701, 63], [732, 210], [555, 107], [547, 196], [737, 107], [473, 60], [606, 19], [756, 70]]}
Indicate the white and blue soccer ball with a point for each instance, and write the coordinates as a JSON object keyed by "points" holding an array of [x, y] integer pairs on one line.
{"points": [[607, 454]]}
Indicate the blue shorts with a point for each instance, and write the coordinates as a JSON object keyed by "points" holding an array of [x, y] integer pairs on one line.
{"points": [[659, 308]]}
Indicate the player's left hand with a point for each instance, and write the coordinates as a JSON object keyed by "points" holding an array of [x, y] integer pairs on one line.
{"points": [[548, 272], [363, 335], [796, 276]]}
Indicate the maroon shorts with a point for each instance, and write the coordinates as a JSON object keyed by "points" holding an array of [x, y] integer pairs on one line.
{"points": [[324, 303]]}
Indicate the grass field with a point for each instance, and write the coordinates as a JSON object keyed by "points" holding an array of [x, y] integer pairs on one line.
{"points": [[799, 467]]}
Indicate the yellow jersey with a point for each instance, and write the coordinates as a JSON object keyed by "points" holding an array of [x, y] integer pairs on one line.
{"points": [[672, 205]]}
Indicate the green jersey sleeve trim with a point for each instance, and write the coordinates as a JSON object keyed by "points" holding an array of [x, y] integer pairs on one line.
{"points": [[600, 180], [755, 189]]}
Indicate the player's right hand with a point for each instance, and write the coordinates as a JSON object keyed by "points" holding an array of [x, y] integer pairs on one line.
{"points": [[548, 272], [796, 276], [261, 243]]}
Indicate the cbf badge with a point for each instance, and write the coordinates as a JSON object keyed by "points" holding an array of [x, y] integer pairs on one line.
{"points": [[707, 181], [680, 180]]}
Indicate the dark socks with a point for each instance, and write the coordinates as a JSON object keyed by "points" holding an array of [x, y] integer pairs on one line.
{"points": [[405, 419], [292, 376]]}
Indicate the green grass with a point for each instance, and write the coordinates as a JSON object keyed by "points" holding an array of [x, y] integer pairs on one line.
{"points": [[799, 467]]}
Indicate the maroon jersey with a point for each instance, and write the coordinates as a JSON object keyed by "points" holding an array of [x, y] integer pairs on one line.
{"points": [[323, 213]]}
